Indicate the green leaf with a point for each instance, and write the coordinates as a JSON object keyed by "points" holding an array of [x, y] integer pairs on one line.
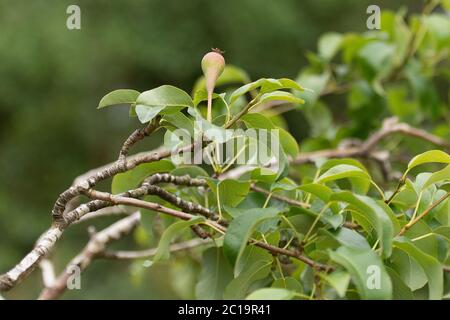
{"points": [[267, 86], [257, 268], [289, 283], [408, 269], [342, 171], [150, 103], [428, 157], [329, 44], [120, 96], [215, 275], [319, 190], [334, 220], [282, 96], [339, 280], [316, 82], [359, 178], [163, 250], [348, 238], [229, 192], [365, 267], [179, 121], [271, 294], [443, 231], [259, 121], [439, 176], [431, 266], [123, 182], [241, 229], [400, 290], [370, 210]]}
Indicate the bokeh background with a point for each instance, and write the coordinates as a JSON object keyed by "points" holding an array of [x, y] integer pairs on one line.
{"points": [[51, 80]]}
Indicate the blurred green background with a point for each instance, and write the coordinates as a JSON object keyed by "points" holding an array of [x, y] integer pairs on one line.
{"points": [[51, 80]]}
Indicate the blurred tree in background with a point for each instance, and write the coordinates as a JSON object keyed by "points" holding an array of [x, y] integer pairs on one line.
{"points": [[51, 80]]}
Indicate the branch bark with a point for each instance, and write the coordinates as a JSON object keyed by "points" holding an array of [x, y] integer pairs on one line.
{"points": [[95, 247]]}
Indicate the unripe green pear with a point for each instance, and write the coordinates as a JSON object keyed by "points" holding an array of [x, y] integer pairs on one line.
{"points": [[213, 64]]}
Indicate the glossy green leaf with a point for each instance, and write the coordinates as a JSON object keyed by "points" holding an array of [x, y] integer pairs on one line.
{"points": [[342, 171], [439, 176], [428, 157], [120, 96], [281, 96], [150, 103], [431, 266], [367, 271], [267, 86]]}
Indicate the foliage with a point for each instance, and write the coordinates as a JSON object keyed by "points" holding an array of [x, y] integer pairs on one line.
{"points": [[392, 72], [347, 227]]}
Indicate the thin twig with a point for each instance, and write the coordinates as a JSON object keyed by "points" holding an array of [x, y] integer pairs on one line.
{"points": [[144, 254]]}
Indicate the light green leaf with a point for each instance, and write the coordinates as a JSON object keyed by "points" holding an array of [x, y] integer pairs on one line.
{"points": [[230, 192], [431, 266], [282, 96], [428, 157], [316, 82], [359, 178], [241, 229], [439, 176], [339, 280], [319, 190], [120, 96], [289, 283], [329, 44], [367, 271], [215, 275], [267, 86], [342, 171], [443, 231], [271, 294], [370, 210], [259, 121], [123, 182], [179, 121], [163, 250], [150, 103], [408, 269]]}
